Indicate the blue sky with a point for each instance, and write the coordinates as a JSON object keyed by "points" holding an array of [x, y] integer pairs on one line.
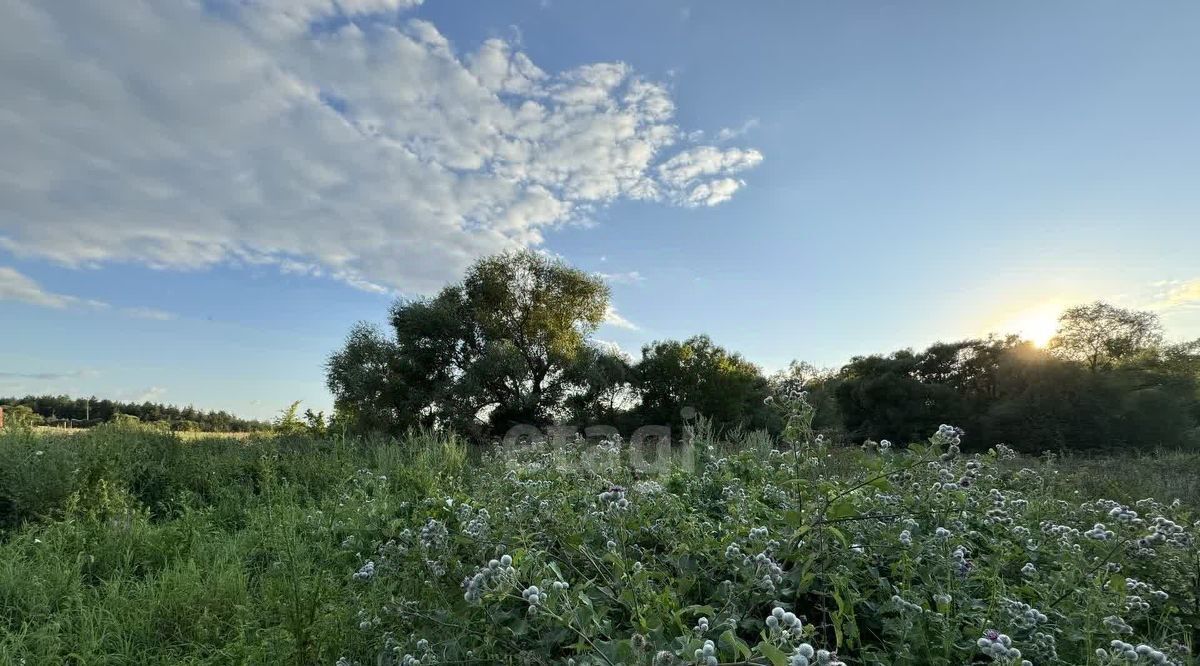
{"points": [[200, 199]]}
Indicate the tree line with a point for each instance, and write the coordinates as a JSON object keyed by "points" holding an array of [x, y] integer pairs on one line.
{"points": [[65, 411], [511, 344]]}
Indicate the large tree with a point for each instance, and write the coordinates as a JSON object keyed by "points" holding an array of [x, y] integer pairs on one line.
{"points": [[696, 373], [500, 348], [1099, 335]]}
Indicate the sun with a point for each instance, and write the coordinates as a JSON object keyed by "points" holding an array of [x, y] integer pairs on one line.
{"points": [[1037, 325]]}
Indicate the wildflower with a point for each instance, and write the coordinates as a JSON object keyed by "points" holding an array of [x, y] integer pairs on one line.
{"points": [[434, 534], [961, 564], [1123, 514], [1004, 453], [951, 437], [942, 533], [905, 538], [1116, 625], [1029, 569], [707, 654], [477, 528], [998, 646], [1099, 532], [532, 594], [614, 498], [366, 572]]}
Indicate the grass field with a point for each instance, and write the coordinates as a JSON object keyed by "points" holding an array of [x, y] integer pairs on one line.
{"points": [[184, 435], [125, 546]]}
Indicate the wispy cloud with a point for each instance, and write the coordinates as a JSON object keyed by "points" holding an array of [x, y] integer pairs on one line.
{"points": [[15, 286], [151, 394], [1176, 294], [148, 313], [49, 376], [628, 277], [614, 318], [725, 134], [731, 133]]}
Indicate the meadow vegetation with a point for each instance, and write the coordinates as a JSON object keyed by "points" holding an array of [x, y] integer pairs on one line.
{"points": [[123, 545]]}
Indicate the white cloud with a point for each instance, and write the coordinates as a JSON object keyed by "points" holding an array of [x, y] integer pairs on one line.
{"points": [[354, 141], [148, 313], [614, 318], [150, 394], [731, 133], [15, 286], [1177, 294], [48, 376], [611, 347], [695, 177], [628, 277], [725, 134]]}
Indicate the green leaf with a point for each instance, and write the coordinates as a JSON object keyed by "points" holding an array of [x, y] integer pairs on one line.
{"points": [[736, 644], [842, 509], [840, 535], [777, 657], [707, 611], [882, 483]]}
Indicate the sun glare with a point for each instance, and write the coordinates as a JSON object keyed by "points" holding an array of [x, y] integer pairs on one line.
{"points": [[1037, 326]]}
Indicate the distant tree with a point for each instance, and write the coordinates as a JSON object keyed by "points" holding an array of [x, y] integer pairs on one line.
{"points": [[20, 416], [61, 409], [501, 347], [605, 392], [902, 397], [125, 419], [1099, 335], [289, 422], [314, 422], [698, 374], [820, 384]]}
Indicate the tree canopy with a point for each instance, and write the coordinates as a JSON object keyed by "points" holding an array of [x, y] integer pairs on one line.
{"points": [[1099, 335], [65, 410], [703, 378], [502, 347], [510, 344]]}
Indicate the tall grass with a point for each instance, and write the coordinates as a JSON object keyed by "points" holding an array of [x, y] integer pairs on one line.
{"points": [[125, 546], [120, 545]]}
